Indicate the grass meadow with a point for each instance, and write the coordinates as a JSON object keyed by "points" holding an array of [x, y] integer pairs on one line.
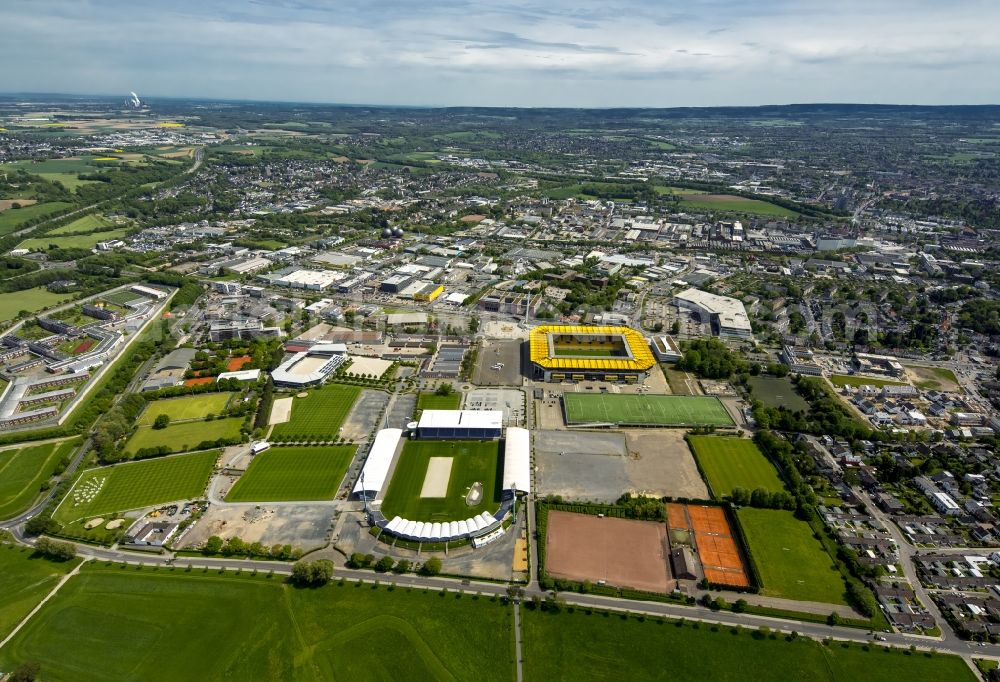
{"points": [[110, 623], [183, 436], [604, 646], [32, 300], [24, 469], [134, 485], [791, 562], [25, 579], [778, 392], [474, 461], [10, 219], [293, 473], [186, 408], [733, 463]]}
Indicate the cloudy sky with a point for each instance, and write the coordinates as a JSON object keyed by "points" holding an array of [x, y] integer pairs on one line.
{"points": [[499, 53]]}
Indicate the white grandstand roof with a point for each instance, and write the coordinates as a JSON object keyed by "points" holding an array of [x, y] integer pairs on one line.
{"points": [[517, 460], [731, 312], [240, 375], [377, 464], [469, 419]]}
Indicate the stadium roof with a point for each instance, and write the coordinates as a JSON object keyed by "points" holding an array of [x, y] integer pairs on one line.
{"points": [[642, 357], [730, 310], [376, 468], [517, 460], [469, 419]]}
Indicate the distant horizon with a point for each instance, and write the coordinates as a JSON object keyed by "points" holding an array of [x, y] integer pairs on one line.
{"points": [[387, 105], [575, 54]]}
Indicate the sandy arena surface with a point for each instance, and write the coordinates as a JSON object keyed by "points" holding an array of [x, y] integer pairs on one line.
{"points": [[623, 552], [281, 411], [437, 477]]}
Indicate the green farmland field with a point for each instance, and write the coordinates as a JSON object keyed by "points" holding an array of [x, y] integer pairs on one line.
{"points": [[791, 562], [184, 435], [473, 461], [733, 204], [293, 473], [733, 463], [113, 624], [602, 646], [71, 241], [25, 579], [645, 410], [188, 407], [10, 219], [134, 485], [31, 300], [87, 223], [24, 469], [319, 414]]}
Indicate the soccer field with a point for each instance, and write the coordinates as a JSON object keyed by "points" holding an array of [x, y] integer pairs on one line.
{"points": [[110, 624], [473, 461], [184, 435], [293, 473], [791, 562], [188, 407], [733, 463], [645, 410], [319, 414], [137, 484], [23, 470]]}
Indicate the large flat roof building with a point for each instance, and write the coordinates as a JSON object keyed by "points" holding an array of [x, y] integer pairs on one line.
{"points": [[726, 314], [460, 424]]}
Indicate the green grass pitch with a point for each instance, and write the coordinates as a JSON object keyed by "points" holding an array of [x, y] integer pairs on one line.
{"points": [[293, 473], [137, 484], [596, 646], [473, 461], [24, 581], [24, 469], [184, 435], [855, 381], [188, 407], [433, 401], [791, 562], [733, 463], [319, 414], [645, 410], [114, 624]]}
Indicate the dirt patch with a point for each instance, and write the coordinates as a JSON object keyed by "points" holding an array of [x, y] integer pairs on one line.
{"points": [[621, 552], [303, 526], [6, 204], [281, 411], [361, 366], [661, 460]]}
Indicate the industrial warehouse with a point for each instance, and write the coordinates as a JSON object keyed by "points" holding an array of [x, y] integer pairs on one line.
{"points": [[577, 353]]}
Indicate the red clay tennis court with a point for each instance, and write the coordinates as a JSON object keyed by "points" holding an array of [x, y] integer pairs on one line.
{"points": [[237, 363], [717, 550], [622, 552]]}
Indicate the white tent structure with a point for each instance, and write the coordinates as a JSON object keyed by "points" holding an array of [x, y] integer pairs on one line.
{"points": [[517, 460], [376, 468]]}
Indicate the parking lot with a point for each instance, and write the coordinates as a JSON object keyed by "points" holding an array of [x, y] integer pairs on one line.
{"points": [[505, 352], [508, 400]]}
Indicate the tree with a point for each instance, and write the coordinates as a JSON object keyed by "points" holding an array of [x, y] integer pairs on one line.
{"points": [[739, 606], [740, 496], [39, 525], [385, 564], [212, 546], [431, 567], [312, 573], [55, 550], [162, 421], [402, 566], [26, 672], [444, 389]]}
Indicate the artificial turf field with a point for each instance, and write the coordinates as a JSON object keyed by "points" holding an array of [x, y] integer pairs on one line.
{"points": [[293, 473], [184, 435], [320, 414], [733, 463], [645, 410], [602, 646], [473, 461], [25, 579], [117, 624], [790, 561], [188, 407], [24, 469], [137, 484]]}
